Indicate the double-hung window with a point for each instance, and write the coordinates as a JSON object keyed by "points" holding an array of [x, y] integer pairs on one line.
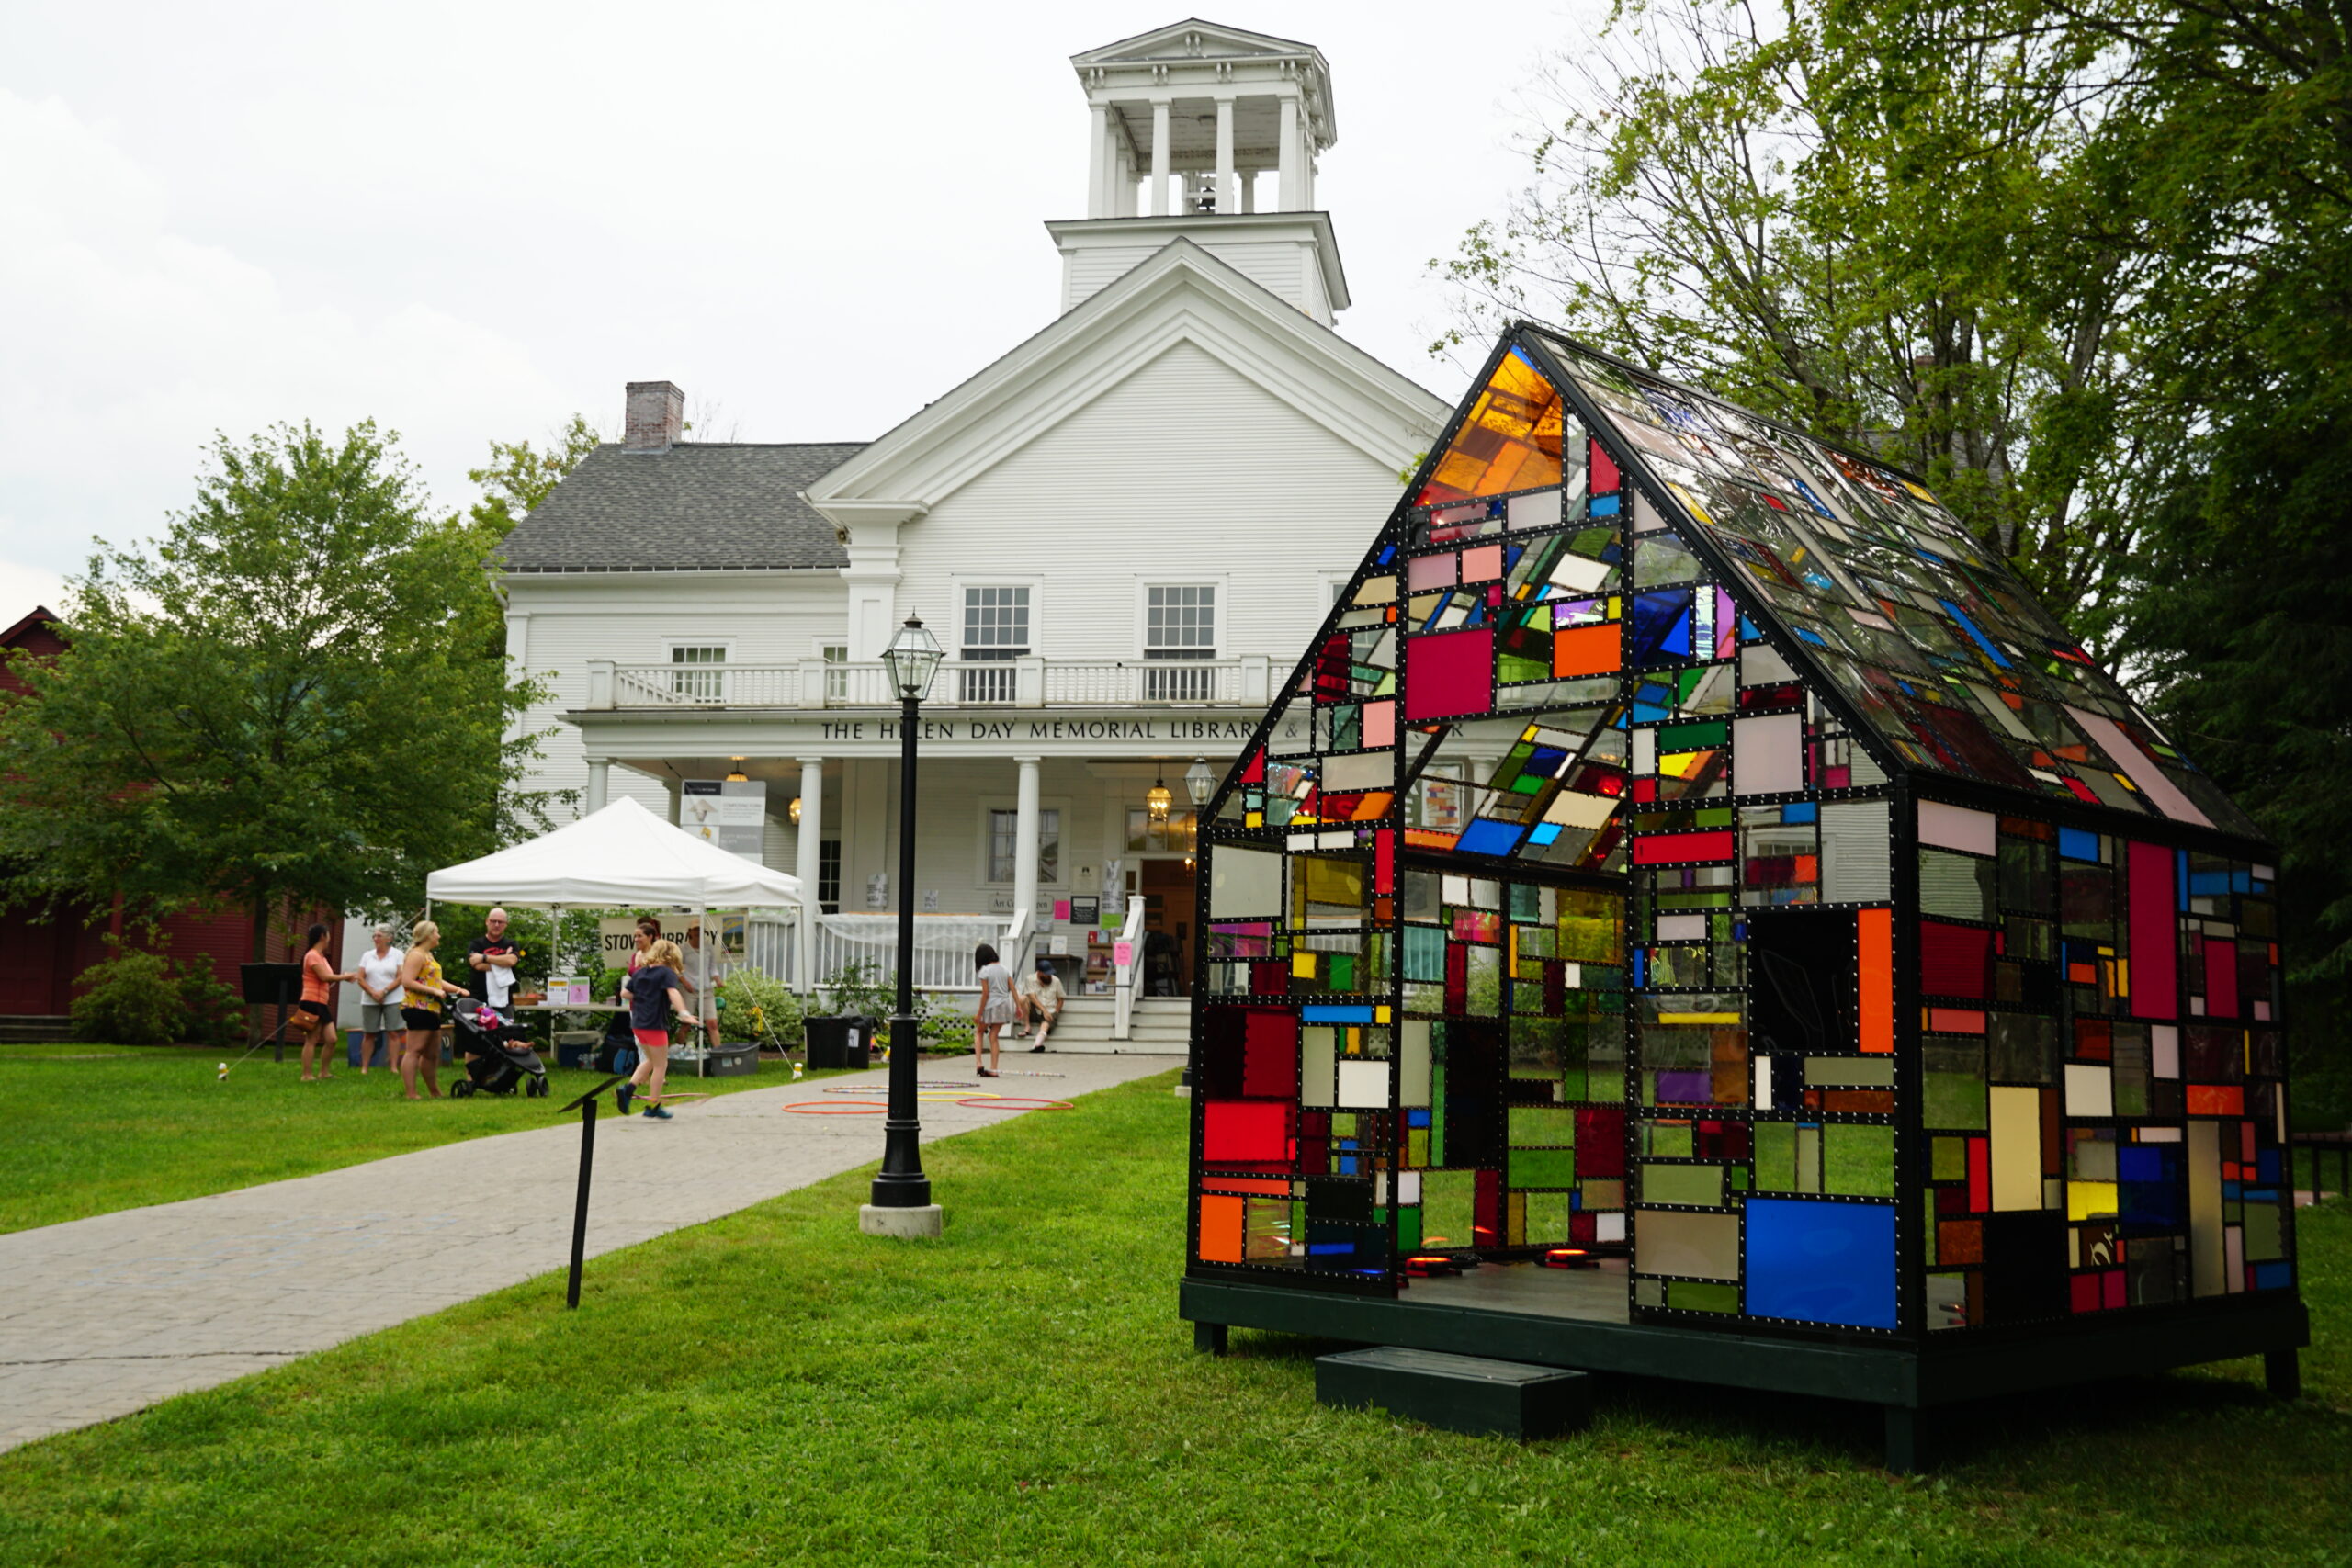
{"points": [[691, 677], [1005, 840], [996, 631], [1179, 624], [829, 876]]}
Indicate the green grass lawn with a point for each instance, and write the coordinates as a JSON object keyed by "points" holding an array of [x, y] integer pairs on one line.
{"points": [[97, 1128], [772, 1387]]}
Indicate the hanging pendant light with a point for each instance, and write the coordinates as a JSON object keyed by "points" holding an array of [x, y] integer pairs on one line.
{"points": [[1157, 802], [737, 775]]}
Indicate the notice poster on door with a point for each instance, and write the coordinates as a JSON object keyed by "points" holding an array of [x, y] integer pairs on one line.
{"points": [[731, 812]]}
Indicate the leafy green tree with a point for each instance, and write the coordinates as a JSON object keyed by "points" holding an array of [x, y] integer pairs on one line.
{"points": [[278, 707], [1881, 220], [519, 476], [2234, 118]]}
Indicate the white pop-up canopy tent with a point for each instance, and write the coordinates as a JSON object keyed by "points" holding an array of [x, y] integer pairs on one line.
{"points": [[621, 857]]}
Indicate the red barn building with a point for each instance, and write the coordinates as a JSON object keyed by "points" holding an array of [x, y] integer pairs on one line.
{"points": [[42, 956]]}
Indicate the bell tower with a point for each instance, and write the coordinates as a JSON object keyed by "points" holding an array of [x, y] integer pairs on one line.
{"points": [[1212, 135]]}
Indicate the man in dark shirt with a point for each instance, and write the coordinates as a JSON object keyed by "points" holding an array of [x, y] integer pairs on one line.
{"points": [[491, 961]]}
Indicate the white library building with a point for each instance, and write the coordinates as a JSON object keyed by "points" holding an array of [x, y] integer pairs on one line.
{"points": [[1121, 532]]}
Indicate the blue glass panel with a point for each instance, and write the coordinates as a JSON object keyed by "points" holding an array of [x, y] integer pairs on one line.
{"points": [[2076, 844], [1821, 1262], [1484, 836], [2148, 1190]]}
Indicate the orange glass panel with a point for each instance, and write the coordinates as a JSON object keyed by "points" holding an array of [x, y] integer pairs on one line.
{"points": [[1587, 650], [1510, 440], [1221, 1229], [2216, 1100], [1877, 931]]}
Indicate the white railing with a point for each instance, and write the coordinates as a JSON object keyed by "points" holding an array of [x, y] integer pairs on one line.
{"points": [[943, 945], [1124, 1001], [772, 947], [1020, 935], [1028, 682]]}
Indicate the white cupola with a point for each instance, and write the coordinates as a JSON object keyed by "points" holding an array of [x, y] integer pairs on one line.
{"points": [[1182, 122]]}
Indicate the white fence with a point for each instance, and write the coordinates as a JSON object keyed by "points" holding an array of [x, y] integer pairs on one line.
{"points": [[943, 949]]}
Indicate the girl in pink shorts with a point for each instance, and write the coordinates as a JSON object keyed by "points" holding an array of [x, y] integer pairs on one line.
{"points": [[652, 992]]}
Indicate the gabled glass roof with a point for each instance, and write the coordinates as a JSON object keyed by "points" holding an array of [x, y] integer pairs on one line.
{"points": [[1879, 589]]}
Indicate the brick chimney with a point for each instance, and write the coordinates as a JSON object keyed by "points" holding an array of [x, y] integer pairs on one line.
{"points": [[656, 417]]}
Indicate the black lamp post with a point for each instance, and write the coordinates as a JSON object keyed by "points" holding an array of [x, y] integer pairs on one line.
{"points": [[901, 1203]]}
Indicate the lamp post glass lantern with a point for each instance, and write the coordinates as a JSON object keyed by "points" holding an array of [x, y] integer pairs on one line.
{"points": [[1199, 782], [912, 659]]}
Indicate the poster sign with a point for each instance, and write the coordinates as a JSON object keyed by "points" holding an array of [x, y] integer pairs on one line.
{"points": [[616, 936], [1123, 953], [731, 814], [1085, 912]]}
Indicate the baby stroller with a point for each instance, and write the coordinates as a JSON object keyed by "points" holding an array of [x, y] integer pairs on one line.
{"points": [[497, 1053]]}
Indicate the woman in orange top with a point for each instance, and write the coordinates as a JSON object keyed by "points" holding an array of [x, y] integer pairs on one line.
{"points": [[316, 1015]]}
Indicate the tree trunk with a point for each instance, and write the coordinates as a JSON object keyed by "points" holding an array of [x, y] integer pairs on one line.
{"points": [[261, 928]]}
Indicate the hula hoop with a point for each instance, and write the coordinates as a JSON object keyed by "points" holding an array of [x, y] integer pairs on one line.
{"points": [[1006, 1103], [837, 1107]]}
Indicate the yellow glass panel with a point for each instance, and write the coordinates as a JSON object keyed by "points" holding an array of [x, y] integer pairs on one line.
{"points": [[2085, 1199], [2016, 1116]]}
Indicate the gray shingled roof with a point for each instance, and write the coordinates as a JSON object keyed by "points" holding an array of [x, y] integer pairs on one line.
{"points": [[692, 508]]}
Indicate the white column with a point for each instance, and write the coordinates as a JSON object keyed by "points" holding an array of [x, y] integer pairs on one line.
{"points": [[1293, 165], [677, 788], [1027, 829], [1159, 207], [1098, 165], [1249, 190], [1228, 197], [806, 846], [599, 784]]}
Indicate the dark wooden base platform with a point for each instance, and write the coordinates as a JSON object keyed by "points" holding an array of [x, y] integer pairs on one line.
{"points": [[1578, 1319], [1461, 1394]]}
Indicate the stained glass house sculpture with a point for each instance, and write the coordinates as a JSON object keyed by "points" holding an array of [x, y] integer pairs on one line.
{"points": [[1693, 913]]}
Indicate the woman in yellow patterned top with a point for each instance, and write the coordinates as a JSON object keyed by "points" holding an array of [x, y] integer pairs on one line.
{"points": [[421, 996]]}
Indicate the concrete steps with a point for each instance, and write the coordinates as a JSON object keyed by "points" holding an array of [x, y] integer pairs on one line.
{"points": [[1161, 1027]]}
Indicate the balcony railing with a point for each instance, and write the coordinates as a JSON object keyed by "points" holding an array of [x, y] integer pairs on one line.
{"points": [[1005, 683]]}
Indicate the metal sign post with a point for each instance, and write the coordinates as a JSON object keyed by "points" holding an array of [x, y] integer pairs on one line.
{"points": [[586, 1106]]}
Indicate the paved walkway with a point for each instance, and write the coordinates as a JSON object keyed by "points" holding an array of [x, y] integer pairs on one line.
{"points": [[104, 1316]]}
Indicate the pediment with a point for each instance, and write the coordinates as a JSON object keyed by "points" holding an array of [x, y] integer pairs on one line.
{"points": [[1183, 294], [1189, 40]]}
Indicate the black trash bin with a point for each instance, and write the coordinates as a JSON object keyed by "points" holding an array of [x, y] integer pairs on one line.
{"points": [[841, 1042]]}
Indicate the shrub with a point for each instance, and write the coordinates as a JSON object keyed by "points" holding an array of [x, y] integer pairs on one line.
{"points": [[859, 990], [946, 1023], [213, 1013], [132, 999], [761, 1008]]}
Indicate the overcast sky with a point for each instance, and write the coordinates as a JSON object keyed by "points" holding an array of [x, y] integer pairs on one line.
{"points": [[468, 220]]}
